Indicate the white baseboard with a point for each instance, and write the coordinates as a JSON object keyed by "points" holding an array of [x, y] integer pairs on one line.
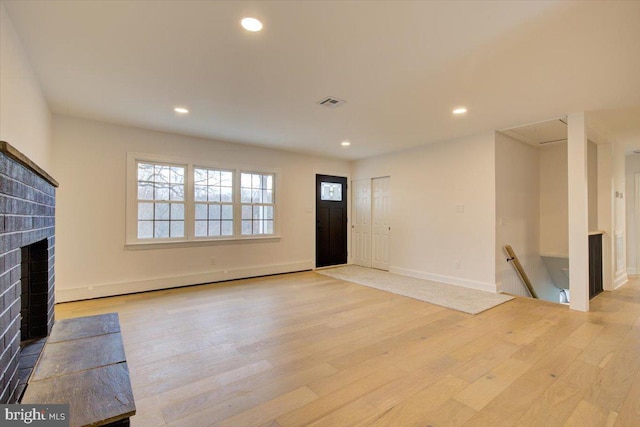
{"points": [[465, 283], [620, 280], [122, 288], [631, 271]]}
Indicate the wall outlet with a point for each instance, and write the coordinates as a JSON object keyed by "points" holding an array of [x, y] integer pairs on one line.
{"points": [[456, 265], [212, 261]]}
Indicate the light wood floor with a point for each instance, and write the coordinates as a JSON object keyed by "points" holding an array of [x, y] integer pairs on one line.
{"points": [[304, 349]]}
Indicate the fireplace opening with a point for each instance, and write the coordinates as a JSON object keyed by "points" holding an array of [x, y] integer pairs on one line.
{"points": [[34, 308], [34, 296]]}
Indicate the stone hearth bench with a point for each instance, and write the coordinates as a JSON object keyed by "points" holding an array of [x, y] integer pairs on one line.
{"points": [[83, 364]]}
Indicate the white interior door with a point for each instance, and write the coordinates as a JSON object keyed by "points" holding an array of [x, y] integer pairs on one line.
{"points": [[361, 222], [619, 259], [380, 225]]}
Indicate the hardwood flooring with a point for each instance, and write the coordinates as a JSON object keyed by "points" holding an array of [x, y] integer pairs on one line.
{"points": [[307, 350]]}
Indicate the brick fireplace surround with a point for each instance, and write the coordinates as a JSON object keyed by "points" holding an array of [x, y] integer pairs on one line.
{"points": [[27, 242]]}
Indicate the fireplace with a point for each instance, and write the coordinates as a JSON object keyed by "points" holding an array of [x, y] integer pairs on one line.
{"points": [[27, 247], [34, 295]]}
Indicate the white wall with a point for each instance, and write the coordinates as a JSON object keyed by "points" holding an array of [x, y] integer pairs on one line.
{"points": [[554, 207], [620, 235], [518, 217], [25, 120], [592, 184], [430, 184], [632, 166], [605, 210], [614, 198], [89, 160]]}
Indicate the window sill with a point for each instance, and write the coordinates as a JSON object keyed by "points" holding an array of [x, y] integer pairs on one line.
{"points": [[200, 242]]}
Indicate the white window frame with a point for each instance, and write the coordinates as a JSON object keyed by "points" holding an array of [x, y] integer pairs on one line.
{"points": [[262, 204], [233, 202], [131, 209]]}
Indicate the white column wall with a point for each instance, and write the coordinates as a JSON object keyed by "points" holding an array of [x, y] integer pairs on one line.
{"points": [[619, 227], [605, 211], [578, 212]]}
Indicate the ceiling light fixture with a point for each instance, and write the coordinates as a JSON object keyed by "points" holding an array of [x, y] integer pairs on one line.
{"points": [[251, 24], [181, 110], [460, 110], [345, 143]]}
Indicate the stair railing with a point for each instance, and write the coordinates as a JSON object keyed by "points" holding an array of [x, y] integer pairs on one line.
{"points": [[521, 273]]}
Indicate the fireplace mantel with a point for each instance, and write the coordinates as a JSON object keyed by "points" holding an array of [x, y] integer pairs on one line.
{"points": [[13, 153]]}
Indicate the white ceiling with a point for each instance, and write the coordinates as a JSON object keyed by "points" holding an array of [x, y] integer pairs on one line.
{"points": [[547, 132], [401, 66]]}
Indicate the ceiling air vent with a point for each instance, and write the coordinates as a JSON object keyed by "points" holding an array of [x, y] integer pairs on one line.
{"points": [[331, 102]]}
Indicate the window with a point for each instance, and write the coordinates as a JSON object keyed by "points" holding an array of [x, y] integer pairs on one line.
{"points": [[213, 195], [176, 201], [257, 203], [160, 201], [331, 191]]}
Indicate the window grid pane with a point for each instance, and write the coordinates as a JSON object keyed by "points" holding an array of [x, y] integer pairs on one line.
{"points": [[257, 203], [160, 201], [331, 191], [214, 219], [213, 195]]}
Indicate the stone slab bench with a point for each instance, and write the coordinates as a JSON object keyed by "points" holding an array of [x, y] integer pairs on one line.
{"points": [[83, 364]]}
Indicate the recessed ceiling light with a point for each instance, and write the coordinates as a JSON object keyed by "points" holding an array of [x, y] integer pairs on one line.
{"points": [[460, 110], [345, 143], [181, 110], [251, 24]]}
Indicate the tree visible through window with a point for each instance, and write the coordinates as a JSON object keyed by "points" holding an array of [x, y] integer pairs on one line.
{"points": [[257, 201], [213, 195], [160, 201], [171, 201]]}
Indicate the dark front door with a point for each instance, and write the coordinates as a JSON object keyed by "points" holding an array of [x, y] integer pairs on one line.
{"points": [[331, 220]]}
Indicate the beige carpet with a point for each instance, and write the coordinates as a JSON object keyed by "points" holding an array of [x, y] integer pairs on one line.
{"points": [[458, 298]]}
